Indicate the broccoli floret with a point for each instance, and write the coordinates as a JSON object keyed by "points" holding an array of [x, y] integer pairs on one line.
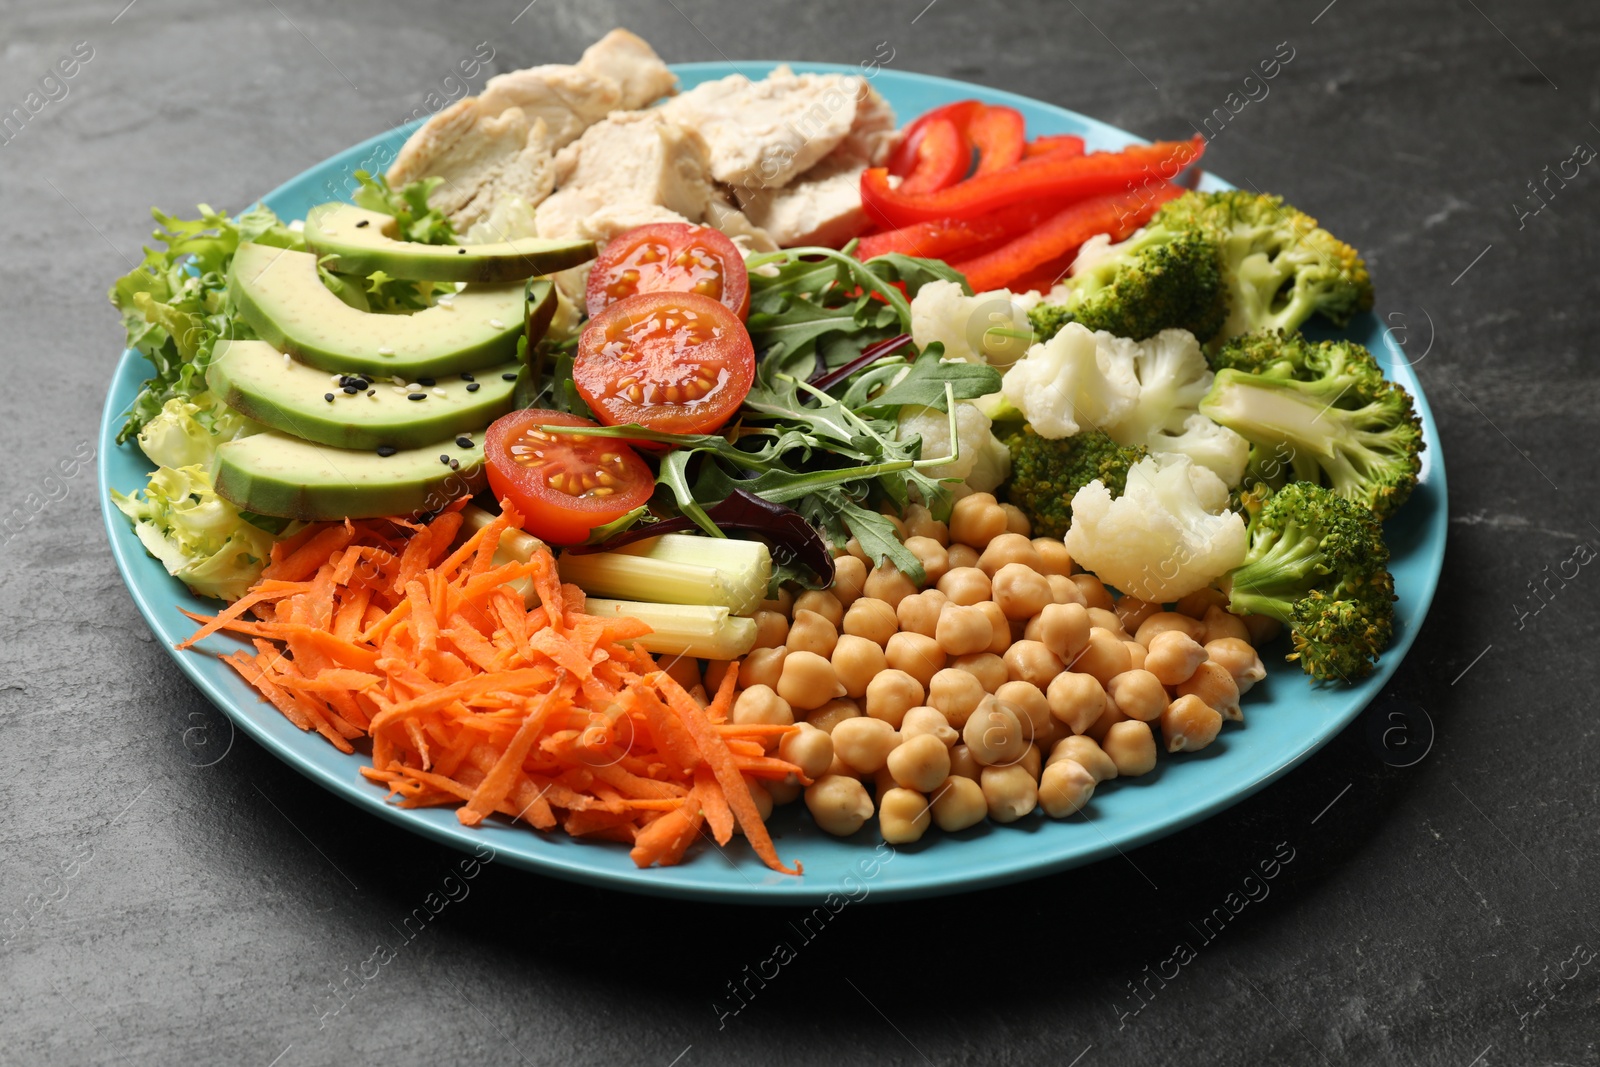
{"points": [[1163, 277], [1321, 413], [1046, 472], [1318, 564]]}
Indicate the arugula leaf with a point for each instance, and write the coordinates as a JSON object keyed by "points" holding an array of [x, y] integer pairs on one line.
{"points": [[924, 384]]}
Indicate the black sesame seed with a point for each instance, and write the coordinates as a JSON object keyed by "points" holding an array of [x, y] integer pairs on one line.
{"points": [[472, 388], [387, 450], [351, 390], [509, 376], [444, 459], [461, 251], [455, 464], [360, 224], [416, 396], [328, 397], [466, 377], [464, 442], [425, 381], [370, 392]]}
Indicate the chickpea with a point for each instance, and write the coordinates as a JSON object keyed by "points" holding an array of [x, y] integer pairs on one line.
{"points": [[1052, 731], [1021, 591], [1162, 621], [1173, 657], [822, 602], [888, 584], [832, 714], [760, 797], [1031, 661], [1189, 723], [785, 790], [959, 803], [1133, 611], [807, 681], [1031, 761], [1010, 792], [920, 763], [808, 748], [917, 655], [685, 670], [925, 721], [1139, 694], [1196, 604], [976, 520], [1136, 654], [1066, 591], [1009, 548], [963, 629], [919, 613], [1240, 660], [763, 666], [1221, 623], [838, 805], [1029, 704], [1001, 624], [921, 523], [932, 555], [1084, 750], [903, 816], [772, 630], [989, 669], [965, 585], [1064, 630], [890, 694], [856, 661], [849, 580], [783, 603], [955, 694], [716, 671], [853, 547], [1108, 718], [1108, 620], [873, 619], [1077, 700], [1212, 683], [1264, 629], [840, 769], [759, 704], [864, 743], [1064, 788], [993, 735], [962, 764], [1053, 557], [1105, 656], [882, 781], [811, 632], [962, 556], [1093, 590], [894, 520], [1132, 747], [1017, 521]]}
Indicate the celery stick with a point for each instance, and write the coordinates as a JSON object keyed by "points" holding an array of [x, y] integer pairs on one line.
{"points": [[700, 630], [677, 569]]}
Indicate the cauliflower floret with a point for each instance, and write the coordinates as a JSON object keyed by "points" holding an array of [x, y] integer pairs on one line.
{"points": [[942, 312], [933, 426], [991, 466], [1214, 447], [1095, 250], [1072, 382], [1159, 540], [1173, 378]]}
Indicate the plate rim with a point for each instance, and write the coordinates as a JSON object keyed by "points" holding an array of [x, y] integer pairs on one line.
{"points": [[762, 890]]}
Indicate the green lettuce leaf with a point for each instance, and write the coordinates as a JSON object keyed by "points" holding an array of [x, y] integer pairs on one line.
{"points": [[199, 537]]}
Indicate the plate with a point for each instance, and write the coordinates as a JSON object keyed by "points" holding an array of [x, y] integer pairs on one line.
{"points": [[1287, 718]]}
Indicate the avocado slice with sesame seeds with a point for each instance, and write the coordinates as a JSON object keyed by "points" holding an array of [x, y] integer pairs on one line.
{"points": [[274, 474], [365, 242], [348, 411], [281, 296]]}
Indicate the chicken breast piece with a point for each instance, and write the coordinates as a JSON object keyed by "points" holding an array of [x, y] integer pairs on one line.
{"points": [[632, 158], [765, 134], [482, 159], [629, 61], [872, 134], [568, 99], [822, 208]]}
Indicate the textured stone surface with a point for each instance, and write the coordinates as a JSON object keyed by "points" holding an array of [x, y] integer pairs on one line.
{"points": [[156, 911]]}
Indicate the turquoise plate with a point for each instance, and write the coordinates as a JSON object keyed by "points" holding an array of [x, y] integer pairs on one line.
{"points": [[1287, 718]]}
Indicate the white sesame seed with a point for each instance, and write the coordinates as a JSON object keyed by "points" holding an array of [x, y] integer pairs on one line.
{"points": [[497, 324], [335, 378], [447, 306], [412, 387], [385, 351], [396, 379], [439, 392], [399, 389], [286, 359]]}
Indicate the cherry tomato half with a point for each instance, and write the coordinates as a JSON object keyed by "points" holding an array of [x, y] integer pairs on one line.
{"points": [[673, 257], [675, 362], [564, 484]]}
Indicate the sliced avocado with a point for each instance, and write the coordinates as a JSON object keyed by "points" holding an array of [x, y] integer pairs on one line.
{"points": [[257, 380], [282, 298], [274, 474], [365, 242]]}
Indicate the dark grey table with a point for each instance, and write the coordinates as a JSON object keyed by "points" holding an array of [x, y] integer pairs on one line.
{"points": [[157, 910]]}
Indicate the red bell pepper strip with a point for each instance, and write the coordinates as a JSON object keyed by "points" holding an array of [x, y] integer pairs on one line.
{"points": [[1059, 177], [998, 135], [969, 237], [1070, 143], [903, 159], [943, 157], [1118, 214]]}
